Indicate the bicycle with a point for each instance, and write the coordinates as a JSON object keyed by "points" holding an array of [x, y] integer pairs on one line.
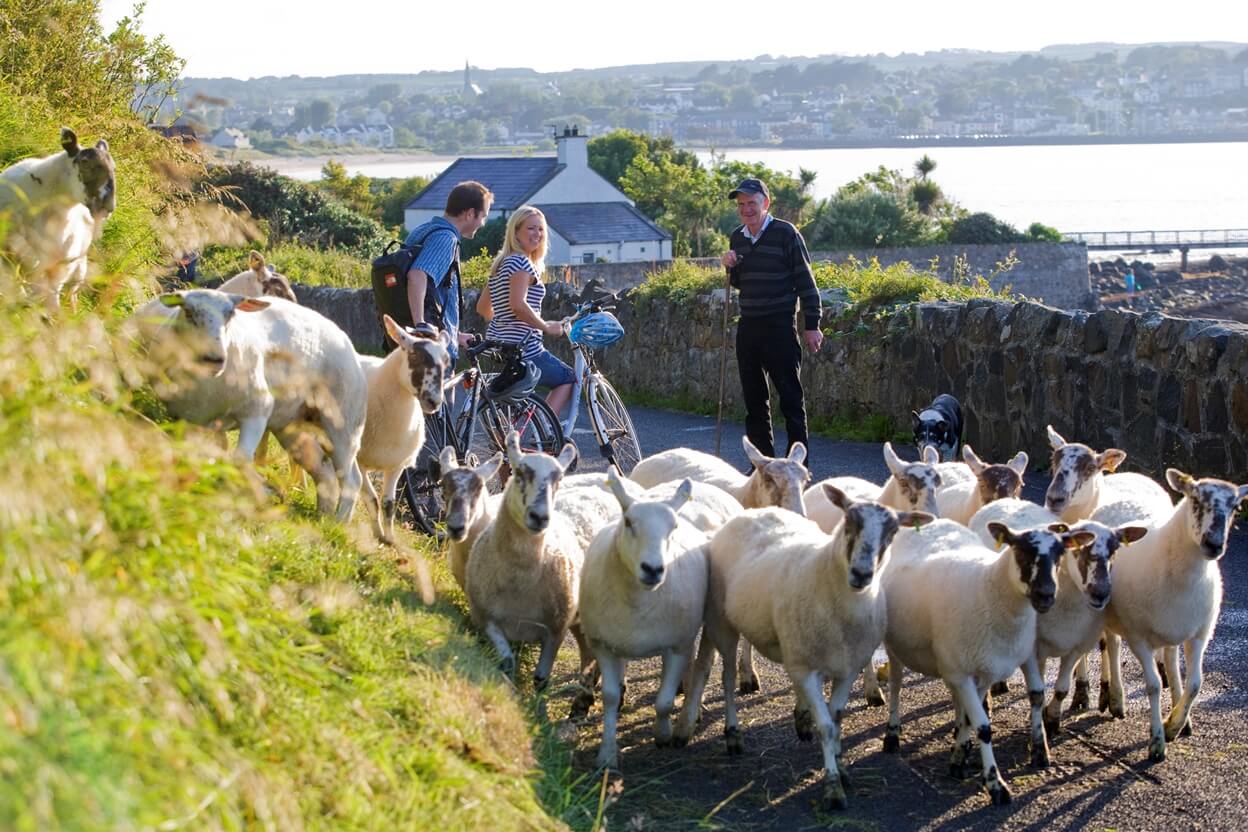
{"points": [[477, 427], [612, 426]]}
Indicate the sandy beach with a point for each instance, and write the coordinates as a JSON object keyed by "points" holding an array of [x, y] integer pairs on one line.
{"points": [[295, 165]]}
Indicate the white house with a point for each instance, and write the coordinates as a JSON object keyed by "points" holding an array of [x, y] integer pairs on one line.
{"points": [[590, 219], [230, 137]]}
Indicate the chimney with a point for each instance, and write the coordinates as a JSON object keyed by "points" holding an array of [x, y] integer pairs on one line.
{"points": [[572, 147]]}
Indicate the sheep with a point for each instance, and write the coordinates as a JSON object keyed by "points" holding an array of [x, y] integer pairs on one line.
{"points": [[992, 482], [469, 506], [259, 280], [58, 204], [708, 508], [402, 388], [280, 367], [643, 589], [773, 482], [967, 615], [523, 573], [1167, 592], [1080, 485], [807, 600], [911, 486]]}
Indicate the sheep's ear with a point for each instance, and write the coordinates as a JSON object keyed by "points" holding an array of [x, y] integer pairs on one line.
{"points": [[69, 141], [1109, 460], [172, 299], [102, 146], [915, 421], [397, 333], [1058, 528], [513, 448], [447, 460], [566, 456], [915, 519], [754, 454], [837, 497], [895, 466], [931, 456], [486, 470], [1180, 482], [1055, 439], [797, 453], [972, 459], [256, 260], [1081, 538], [1018, 464], [684, 493], [617, 489], [1130, 534], [444, 338], [1243, 493], [243, 304], [1000, 533]]}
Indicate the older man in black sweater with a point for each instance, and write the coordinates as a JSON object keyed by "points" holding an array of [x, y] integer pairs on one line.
{"points": [[770, 268]]}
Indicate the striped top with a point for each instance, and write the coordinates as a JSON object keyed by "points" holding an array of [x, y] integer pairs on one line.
{"points": [[505, 326], [774, 273]]}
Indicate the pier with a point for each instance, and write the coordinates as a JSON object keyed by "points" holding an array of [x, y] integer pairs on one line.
{"points": [[1184, 241]]}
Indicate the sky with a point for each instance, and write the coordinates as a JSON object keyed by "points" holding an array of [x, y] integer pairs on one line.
{"points": [[253, 38]]}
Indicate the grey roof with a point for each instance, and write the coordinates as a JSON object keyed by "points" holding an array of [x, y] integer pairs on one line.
{"points": [[601, 222], [513, 181]]}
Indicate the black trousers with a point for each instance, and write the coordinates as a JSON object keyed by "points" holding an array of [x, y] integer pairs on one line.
{"points": [[768, 348]]}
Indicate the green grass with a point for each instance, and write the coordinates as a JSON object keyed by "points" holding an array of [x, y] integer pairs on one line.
{"points": [[300, 264]]}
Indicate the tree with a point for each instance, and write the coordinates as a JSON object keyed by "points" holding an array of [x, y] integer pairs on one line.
{"points": [[981, 228], [610, 155], [924, 166], [866, 219], [353, 191], [392, 195], [320, 113], [382, 93]]}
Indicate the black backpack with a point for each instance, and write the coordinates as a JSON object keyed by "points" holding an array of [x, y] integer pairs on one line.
{"points": [[390, 286]]}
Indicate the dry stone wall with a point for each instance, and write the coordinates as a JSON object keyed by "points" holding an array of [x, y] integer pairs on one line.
{"points": [[1169, 391]]}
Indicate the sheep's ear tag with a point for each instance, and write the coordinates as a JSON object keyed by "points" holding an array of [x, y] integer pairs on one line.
{"points": [[171, 300], [1000, 541]]}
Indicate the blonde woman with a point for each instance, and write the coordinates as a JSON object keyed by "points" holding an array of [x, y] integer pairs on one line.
{"points": [[512, 302]]}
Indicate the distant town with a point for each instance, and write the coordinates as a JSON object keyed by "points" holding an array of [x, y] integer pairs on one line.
{"points": [[1086, 92]]}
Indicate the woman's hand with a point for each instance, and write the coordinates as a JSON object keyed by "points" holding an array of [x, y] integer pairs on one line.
{"points": [[553, 328]]}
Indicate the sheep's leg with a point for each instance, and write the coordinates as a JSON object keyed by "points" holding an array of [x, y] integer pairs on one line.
{"points": [[674, 662], [1116, 699], [803, 715], [375, 502], [961, 737], [1171, 678], [1033, 674], [612, 675], [389, 504], [1082, 698], [506, 659], [589, 672], [1152, 684], [250, 432], [810, 685], [892, 734], [349, 479], [1179, 721], [1053, 711], [745, 670], [871, 685], [725, 640], [998, 791], [695, 685], [546, 660], [840, 697]]}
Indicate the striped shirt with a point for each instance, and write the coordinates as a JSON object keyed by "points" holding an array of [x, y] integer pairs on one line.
{"points": [[774, 273], [505, 326]]}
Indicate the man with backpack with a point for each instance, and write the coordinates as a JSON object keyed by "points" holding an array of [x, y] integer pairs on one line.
{"points": [[432, 293]]}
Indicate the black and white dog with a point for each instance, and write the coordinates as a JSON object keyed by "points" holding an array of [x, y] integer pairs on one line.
{"points": [[939, 425]]}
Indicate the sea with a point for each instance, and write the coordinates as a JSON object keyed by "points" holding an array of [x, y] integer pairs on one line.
{"points": [[1127, 187]]}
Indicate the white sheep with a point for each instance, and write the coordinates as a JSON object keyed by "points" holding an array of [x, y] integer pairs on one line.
{"points": [[963, 613], [523, 573], [643, 590], [992, 482], [259, 280], [402, 388], [469, 506], [1083, 480], [807, 600], [772, 482], [911, 486], [57, 206], [279, 367], [1167, 592]]}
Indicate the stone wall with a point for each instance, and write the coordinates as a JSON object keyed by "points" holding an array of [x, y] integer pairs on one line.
{"points": [[1169, 391], [1052, 273]]}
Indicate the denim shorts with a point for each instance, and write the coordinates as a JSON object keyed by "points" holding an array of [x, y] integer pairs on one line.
{"points": [[553, 371]]}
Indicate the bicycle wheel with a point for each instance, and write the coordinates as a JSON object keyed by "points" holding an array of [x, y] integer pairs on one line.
{"points": [[531, 417], [419, 488], [616, 435]]}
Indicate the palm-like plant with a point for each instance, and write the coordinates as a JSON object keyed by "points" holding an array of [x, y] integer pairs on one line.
{"points": [[924, 166]]}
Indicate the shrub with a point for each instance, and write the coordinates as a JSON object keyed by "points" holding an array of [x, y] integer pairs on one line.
{"points": [[1042, 233], [864, 220], [301, 264], [983, 228]]}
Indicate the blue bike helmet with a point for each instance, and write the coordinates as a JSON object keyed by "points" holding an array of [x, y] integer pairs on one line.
{"points": [[596, 330]]}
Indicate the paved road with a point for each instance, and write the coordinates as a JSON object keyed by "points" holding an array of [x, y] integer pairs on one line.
{"points": [[1100, 778]]}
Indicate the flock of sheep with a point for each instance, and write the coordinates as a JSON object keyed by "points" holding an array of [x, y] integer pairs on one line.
{"points": [[943, 564]]}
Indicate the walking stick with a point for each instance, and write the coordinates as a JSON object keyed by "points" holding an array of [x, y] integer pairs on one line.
{"points": [[723, 360]]}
